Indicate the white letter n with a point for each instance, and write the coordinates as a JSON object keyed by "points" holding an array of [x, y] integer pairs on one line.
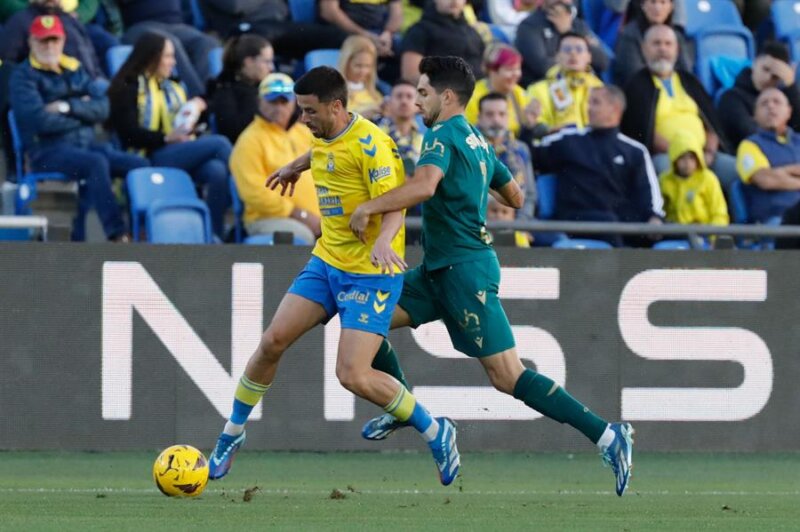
{"points": [[128, 286]]}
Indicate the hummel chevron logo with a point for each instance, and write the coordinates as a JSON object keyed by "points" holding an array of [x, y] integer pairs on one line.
{"points": [[366, 140], [382, 296], [378, 308], [371, 151]]}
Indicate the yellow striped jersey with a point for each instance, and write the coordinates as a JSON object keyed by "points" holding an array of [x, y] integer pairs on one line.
{"points": [[357, 165]]}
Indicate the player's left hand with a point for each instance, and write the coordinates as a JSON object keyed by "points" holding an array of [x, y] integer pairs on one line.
{"points": [[358, 223], [384, 256]]}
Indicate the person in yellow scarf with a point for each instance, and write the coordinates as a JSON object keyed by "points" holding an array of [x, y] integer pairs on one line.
{"points": [[564, 93], [150, 114]]}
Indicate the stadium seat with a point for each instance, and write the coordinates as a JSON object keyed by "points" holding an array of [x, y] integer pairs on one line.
{"points": [[146, 185], [303, 10], [603, 22], [215, 61], [732, 42], [785, 17], [116, 57], [704, 14], [581, 243], [498, 34], [178, 221], [238, 211], [738, 203], [672, 244], [198, 20], [269, 240], [27, 183], [323, 57], [546, 196]]}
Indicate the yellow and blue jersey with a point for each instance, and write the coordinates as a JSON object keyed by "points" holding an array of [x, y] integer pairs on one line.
{"points": [[360, 163]]}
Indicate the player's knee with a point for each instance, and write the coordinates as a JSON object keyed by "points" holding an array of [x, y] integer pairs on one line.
{"points": [[273, 343], [351, 378], [501, 380]]}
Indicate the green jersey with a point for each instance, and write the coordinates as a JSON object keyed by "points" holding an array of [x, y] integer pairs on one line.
{"points": [[454, 219]]}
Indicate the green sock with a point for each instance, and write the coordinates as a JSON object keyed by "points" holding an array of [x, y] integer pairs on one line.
{"points": [[387, 362], [547, 397]]}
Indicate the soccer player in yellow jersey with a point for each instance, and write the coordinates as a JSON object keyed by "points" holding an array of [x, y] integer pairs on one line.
{"points": [[351, 161]]}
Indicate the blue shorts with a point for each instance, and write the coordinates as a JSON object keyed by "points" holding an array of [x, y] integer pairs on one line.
{"points": [[364, 302]]}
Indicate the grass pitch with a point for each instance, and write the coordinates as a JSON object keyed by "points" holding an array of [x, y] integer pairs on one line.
{"points": [[400, 491]]}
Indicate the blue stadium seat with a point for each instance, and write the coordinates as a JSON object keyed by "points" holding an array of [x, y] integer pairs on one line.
{"points": [[703, 14], [146, 185], [785, 17], [198, 20], [603, 22], [732, 42], [323, 57], [238, 211], [738, 203], [269, 240], [498, 34], [581, 243], [116, 57], [546, 196], [178, 221], [672, 244], [215, 61], [303, 10], [27, 184]]}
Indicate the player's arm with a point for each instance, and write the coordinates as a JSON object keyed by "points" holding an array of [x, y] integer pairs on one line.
{"points": [[287, 176], [382, 253], [510, 195], [419, 188]]}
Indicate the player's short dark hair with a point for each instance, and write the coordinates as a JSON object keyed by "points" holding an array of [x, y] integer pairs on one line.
{"points": [[492, 96], [325, 83], [573, 35], [775, 49], [449, 72]]}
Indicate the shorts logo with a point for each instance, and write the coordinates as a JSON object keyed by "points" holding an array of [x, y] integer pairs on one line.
{"points": [[481, 295], [479, 341], [376, 174], [364, 318], [471, 321], [380, 305], [353, 295]]}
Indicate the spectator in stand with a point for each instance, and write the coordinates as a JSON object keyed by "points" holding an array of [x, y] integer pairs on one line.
{"points": [[497, 212], [692, 194], [769, 160], [508, 14], [444, 31], [358, 62], [663, 101], [233, 96], [629, 58], [165, 17], [563, 96], [149, 114], [14, 41], [770, 69], [504, 69], [378, 20], [493, 123], [57, 107], [400, 123], [272, 140], [602, 174], [539, 34]]}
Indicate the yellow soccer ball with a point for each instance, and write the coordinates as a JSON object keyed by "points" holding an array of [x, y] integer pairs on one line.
{"points": [[181, 471]]}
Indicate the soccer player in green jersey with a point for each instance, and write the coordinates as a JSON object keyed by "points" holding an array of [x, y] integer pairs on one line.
{"points": [[459, 277]]}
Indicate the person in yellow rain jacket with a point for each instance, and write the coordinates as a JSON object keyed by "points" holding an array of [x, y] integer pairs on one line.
{"points": [[564, 93], [692, 193]]}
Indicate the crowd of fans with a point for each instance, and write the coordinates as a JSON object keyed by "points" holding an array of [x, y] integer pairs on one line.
{"points": [[653, 147]]}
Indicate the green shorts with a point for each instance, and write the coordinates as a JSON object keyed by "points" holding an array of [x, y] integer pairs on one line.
{"points": [[464, 297]]}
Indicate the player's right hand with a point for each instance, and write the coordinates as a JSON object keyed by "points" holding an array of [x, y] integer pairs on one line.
{"points": [[384, 256], [286, 177]]}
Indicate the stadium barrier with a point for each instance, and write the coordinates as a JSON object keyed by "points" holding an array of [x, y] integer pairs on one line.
{"points": [[136, 347]]}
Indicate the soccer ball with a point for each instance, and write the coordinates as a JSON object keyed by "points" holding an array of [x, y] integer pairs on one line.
{"points": [[181, 471]]}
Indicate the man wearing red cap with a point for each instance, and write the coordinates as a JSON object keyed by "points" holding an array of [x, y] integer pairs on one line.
{"points": [[57, 106]]}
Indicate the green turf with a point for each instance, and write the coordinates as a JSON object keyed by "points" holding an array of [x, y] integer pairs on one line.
{"points": [[399, 491]]}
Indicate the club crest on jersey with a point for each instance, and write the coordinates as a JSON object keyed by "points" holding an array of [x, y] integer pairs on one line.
{"points": [[331, 165]]}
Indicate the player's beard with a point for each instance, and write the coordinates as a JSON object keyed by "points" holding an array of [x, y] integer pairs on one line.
{"points": [[431, 119]]}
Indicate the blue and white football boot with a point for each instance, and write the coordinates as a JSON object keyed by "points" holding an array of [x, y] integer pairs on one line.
{"points": [[445, 452], [378, 428], [221, 460], [619, 455]]}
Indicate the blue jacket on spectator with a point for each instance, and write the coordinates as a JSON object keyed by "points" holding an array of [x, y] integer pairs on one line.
{"points": [[602, 176], [32, 87], [14, 42]]}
